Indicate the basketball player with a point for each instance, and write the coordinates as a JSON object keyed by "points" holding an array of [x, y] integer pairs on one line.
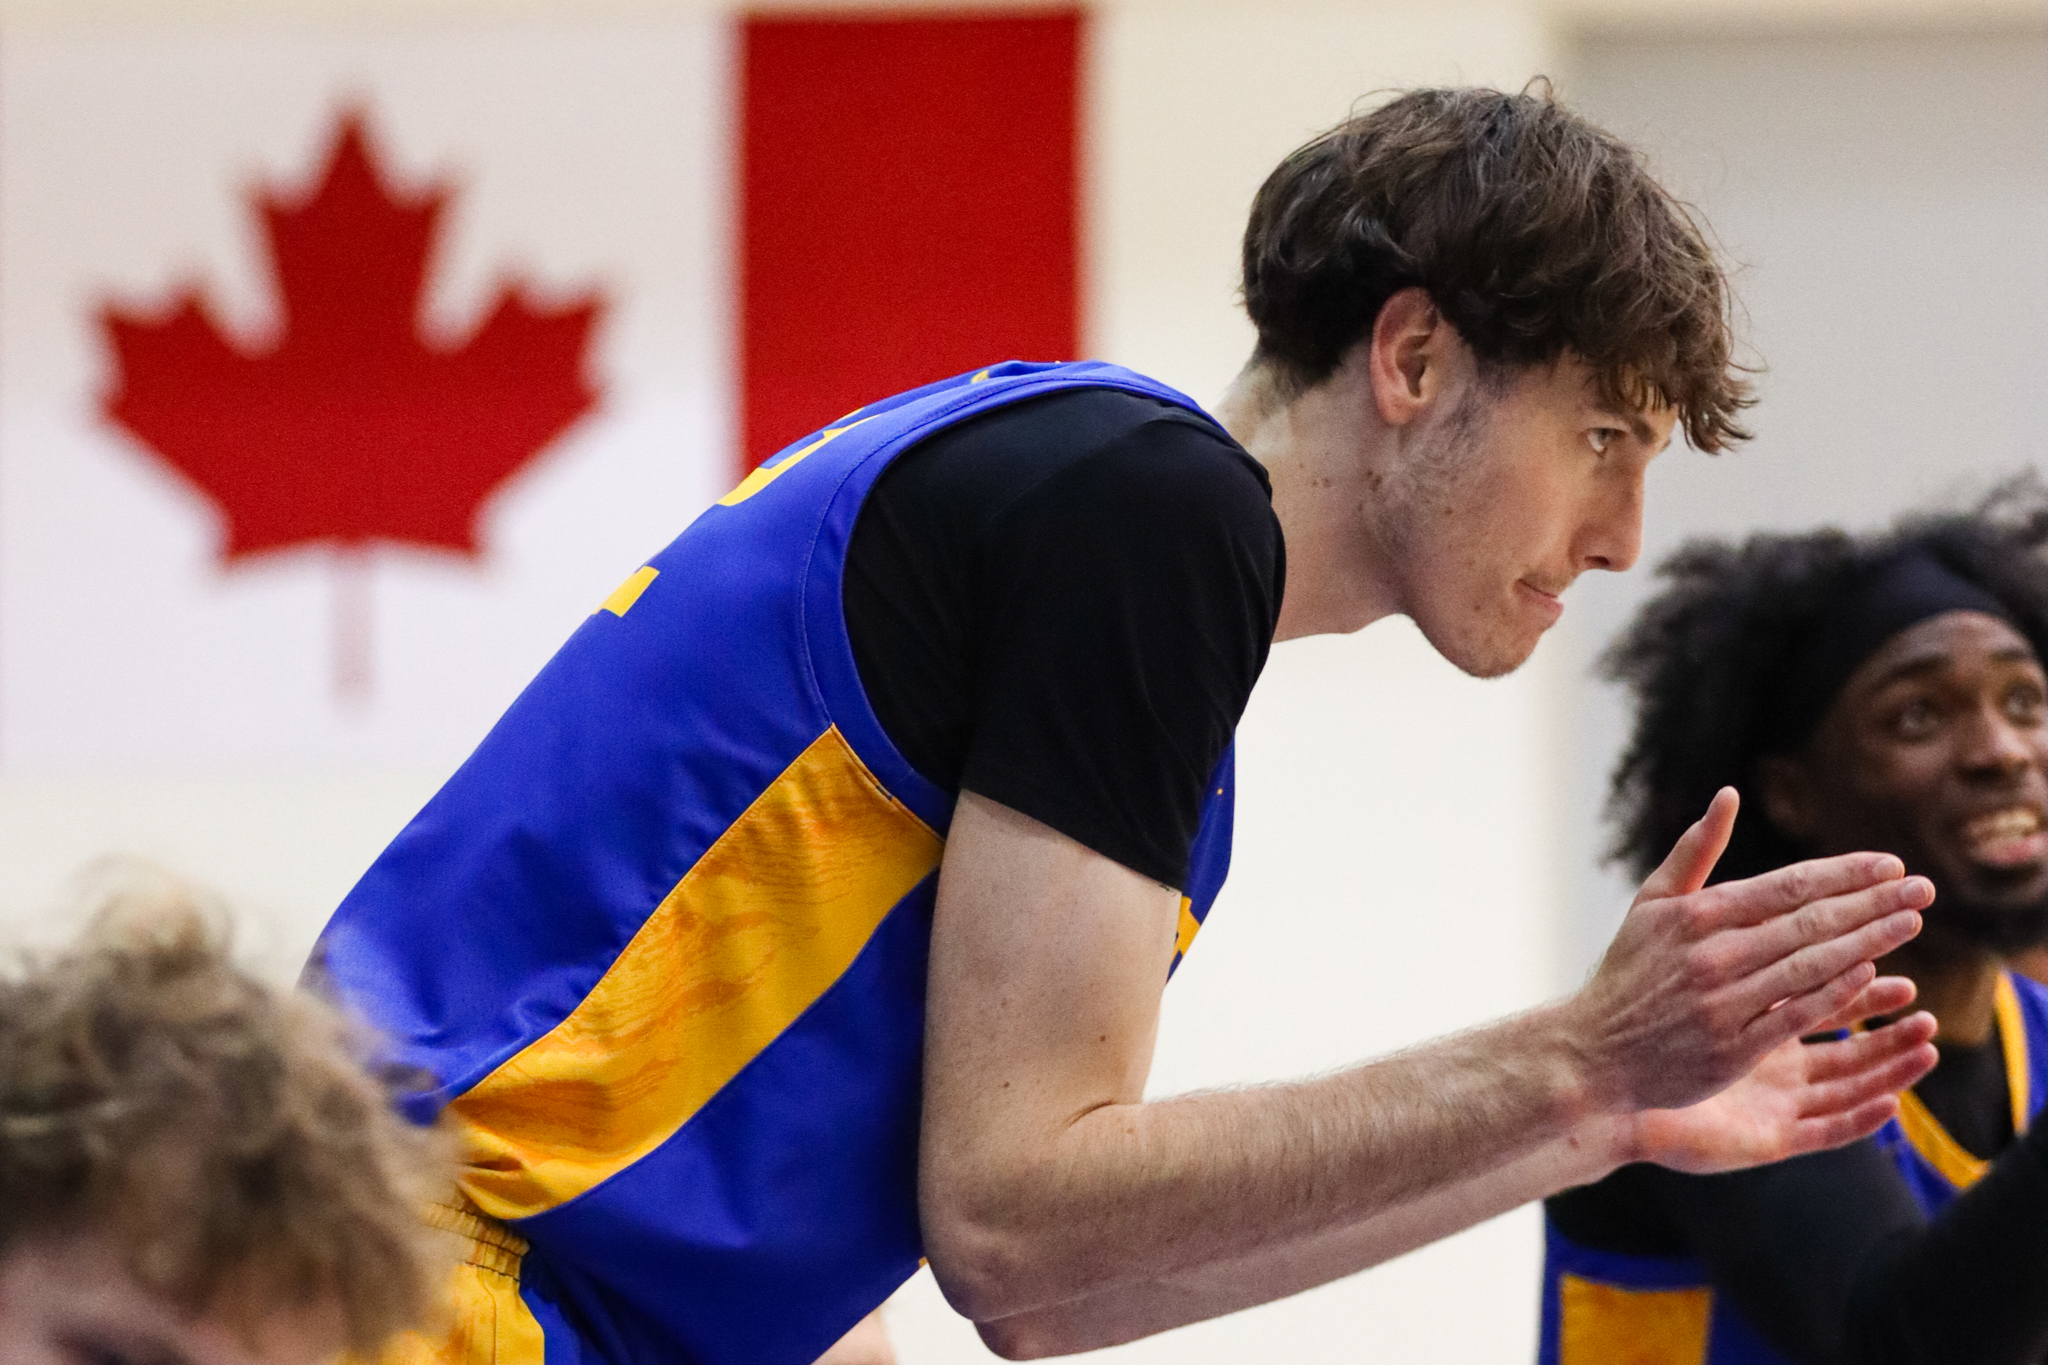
{"points": [[809, 913], [193, 1168], [1884, 692]]}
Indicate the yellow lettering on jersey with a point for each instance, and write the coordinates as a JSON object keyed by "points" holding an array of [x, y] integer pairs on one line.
{"points": [[768, 474], [1184, 935], [1604, 1324], [773, 913], [627, 593]]}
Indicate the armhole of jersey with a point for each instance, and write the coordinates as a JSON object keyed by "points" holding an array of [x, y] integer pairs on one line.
{"points": [[829, 649]]}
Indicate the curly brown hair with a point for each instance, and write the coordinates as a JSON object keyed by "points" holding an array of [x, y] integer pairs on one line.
{"points": [[1535, 233], [221, 1132]]}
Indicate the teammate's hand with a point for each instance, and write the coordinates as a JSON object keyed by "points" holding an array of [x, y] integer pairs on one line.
{"points": [[1700, 984], [1802, 1097]]}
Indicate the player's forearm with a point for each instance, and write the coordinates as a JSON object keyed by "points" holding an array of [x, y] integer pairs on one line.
{"points": [[1273, 1272], [1134, 1194]]}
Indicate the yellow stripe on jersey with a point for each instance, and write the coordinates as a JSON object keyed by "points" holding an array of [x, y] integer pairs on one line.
{"points": [[1604, 1324], [1958, 1166], [2012, 1036], [773, 913], [1189, 926]]}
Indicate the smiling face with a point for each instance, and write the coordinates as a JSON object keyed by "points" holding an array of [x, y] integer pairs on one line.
{"points": [[1521, 483], [73, 1302], [1936, 749]]}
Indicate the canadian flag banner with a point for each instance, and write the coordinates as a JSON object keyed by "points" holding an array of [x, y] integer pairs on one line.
{"points": [[342, 374]]}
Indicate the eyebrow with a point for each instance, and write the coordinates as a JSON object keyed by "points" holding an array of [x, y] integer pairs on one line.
{"points": [[1915, 665]]}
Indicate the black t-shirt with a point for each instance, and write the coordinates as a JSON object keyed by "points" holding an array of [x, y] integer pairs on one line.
{"points": [[1062, 605], [1829, 1255]]}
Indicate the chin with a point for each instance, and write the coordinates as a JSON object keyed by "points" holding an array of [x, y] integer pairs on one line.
{"points": [[2002, 925], [1481, 655]]}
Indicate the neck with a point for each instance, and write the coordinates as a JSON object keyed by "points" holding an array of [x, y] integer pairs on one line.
{"points": [[1325, 450], [1957, 984]]}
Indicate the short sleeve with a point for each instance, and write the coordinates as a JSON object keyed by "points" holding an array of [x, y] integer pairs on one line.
{"points": [[1130, 601]]}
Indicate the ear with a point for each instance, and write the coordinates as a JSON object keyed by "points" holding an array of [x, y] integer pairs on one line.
{"points": [[1405, 356], [1785, 788]]}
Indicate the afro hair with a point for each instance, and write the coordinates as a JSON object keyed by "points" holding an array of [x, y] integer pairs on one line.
{"points": [[1703, 657]]}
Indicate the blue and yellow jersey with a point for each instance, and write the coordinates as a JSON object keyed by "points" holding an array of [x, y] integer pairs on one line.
{"points": [[1607, 1308], [660, 944]]}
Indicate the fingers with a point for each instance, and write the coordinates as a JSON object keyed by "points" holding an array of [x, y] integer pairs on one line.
{"points": [[1754, 900], [1857, 1081], [1838, 925], [1846, 1074], [1823, 980], [1838, 1130], [1886, 995], [1692, 858], [1846, 1056]]}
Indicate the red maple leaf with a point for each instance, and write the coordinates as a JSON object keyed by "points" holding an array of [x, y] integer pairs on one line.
{"points": [[354, 426]]}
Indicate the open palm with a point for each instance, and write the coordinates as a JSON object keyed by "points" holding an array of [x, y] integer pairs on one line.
{"points": [[1802, 1097]]}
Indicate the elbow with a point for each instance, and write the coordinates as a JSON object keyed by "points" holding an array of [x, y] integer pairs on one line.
{"points": [[1016, 1339], [983, 1271], [993, 1251], [1020, 1293]]}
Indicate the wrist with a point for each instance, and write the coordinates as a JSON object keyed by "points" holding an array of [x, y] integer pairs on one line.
{"points": [[1591, 1116], [1583, 1089]]}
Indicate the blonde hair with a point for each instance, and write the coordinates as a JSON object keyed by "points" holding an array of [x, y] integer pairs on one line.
{"points": [[222, 1132]]}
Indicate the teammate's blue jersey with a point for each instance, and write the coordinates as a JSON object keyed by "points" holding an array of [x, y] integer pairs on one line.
{"points": [[660, 944], [1606, 1308]]}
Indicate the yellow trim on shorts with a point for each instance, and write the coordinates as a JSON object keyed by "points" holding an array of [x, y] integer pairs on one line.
{"points": [[773, 913], [487, 1322], [1605, 1324]]}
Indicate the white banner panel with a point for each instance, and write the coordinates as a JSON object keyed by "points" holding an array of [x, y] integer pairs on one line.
{"points": [[576, 165]]}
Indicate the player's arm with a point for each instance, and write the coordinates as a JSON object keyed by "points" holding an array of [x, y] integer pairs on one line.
{"points": [[1046, 1180], [1802, 1094]]}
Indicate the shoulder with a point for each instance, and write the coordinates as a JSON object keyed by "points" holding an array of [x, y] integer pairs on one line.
{"points": [[1107, 456], [1118, 439]]}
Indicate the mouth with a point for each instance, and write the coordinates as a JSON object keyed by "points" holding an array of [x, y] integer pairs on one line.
{"points": [[1549, 603], [2011, 836]]}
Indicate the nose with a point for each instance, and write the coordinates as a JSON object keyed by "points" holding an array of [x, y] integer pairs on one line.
{"points": [[1612, 538], [1994, 745]]}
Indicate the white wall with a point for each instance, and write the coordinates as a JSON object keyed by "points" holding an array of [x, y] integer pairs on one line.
{"points": [[1885, 197]]}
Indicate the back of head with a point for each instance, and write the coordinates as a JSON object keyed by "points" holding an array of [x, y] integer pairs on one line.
{"points": [[1535, 233], [220, 1133], [1713, 661]]}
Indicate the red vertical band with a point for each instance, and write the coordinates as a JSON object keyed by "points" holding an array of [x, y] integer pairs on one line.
{"points": [[910, 207]]}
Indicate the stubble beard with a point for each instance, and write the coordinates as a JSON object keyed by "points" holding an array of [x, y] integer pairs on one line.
{"points": [[1424, 495], [2000, 930]]}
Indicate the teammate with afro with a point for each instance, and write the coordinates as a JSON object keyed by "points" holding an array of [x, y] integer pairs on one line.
{"points": [[1882, 691]]}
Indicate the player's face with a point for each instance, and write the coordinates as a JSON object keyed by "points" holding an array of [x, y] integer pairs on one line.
{"points": [[74, 1303], [1937, 750], [1528, 485]]}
